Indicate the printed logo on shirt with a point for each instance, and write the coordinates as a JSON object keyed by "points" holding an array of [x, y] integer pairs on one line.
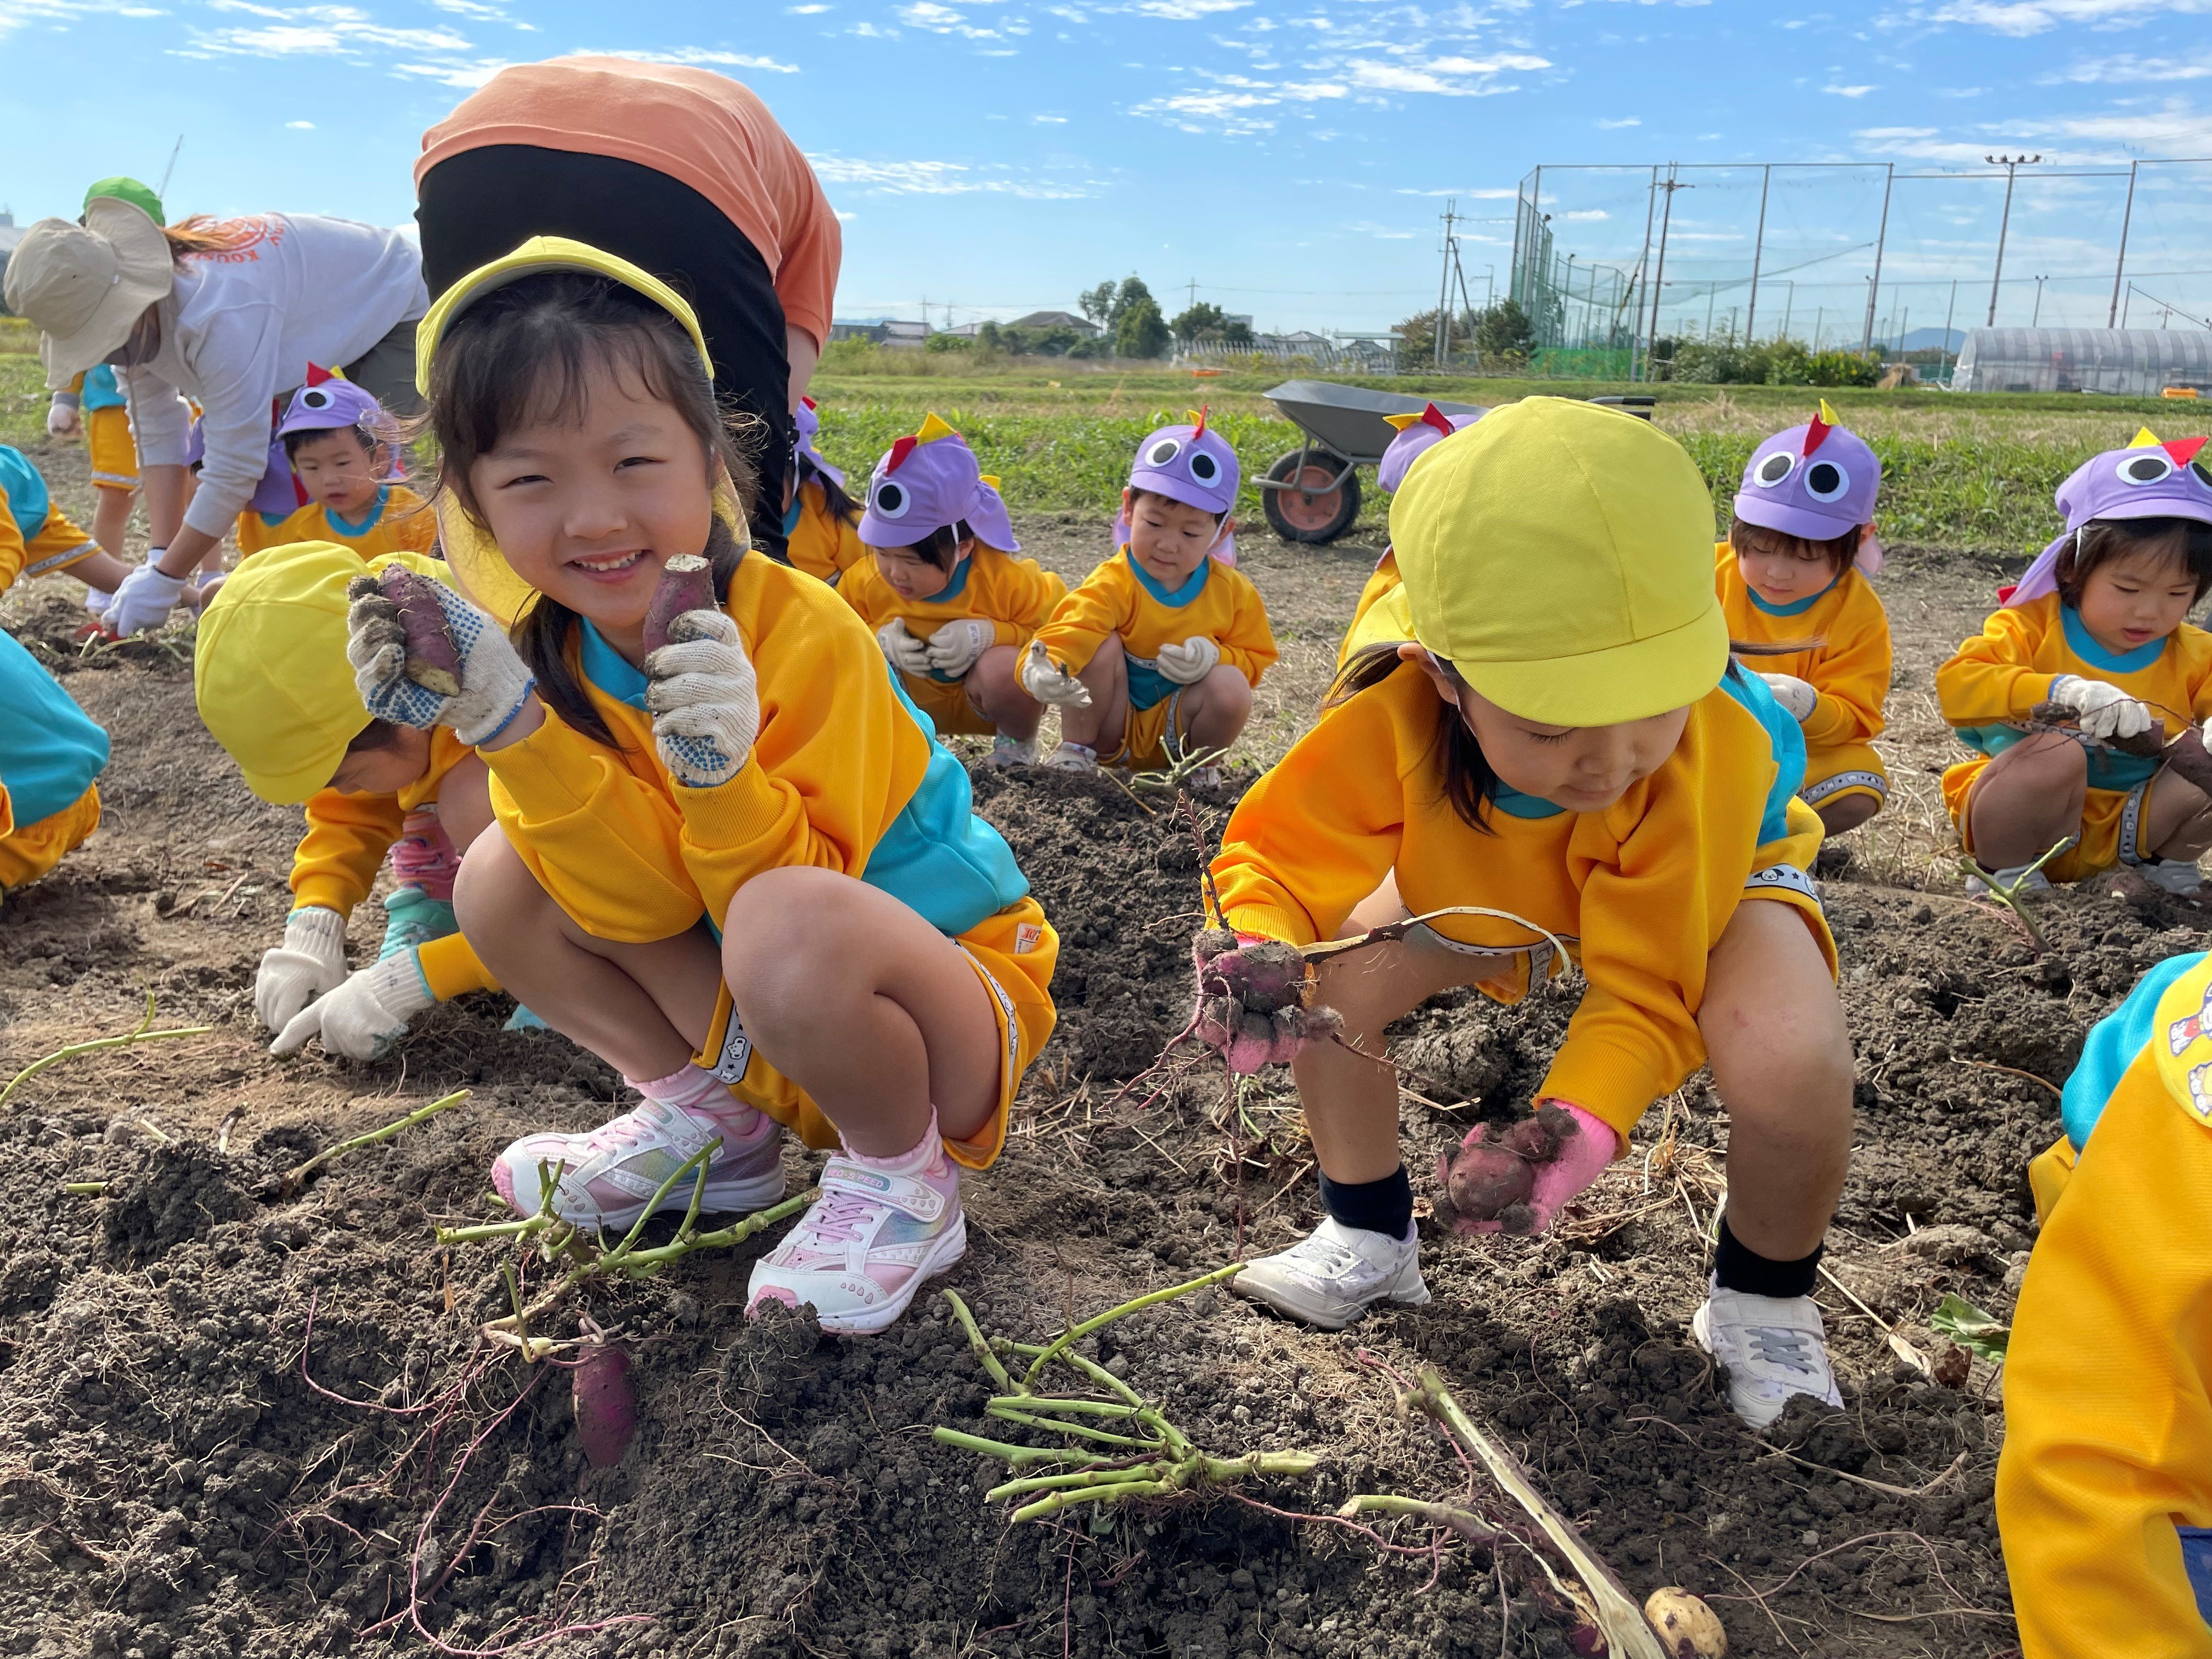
{"points": [[242, 239], [1027, 937]]}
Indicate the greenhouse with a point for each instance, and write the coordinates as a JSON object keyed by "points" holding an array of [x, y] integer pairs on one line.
{"points": [[2136, 362]]}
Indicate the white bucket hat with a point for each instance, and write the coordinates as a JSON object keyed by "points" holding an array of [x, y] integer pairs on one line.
{"points": [[84, 287]]}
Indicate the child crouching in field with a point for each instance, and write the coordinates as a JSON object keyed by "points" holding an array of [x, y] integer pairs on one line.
{"points": [[1562, 737], [950, 606], [1795, 567], [37, 537], [341, 445], [273, 685], [1154, 657], [822, 526], [2098, 629], [50, 751], [2103, 1494], [671, 884]]}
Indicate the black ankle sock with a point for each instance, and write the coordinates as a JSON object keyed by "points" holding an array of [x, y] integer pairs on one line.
{"points": [[1377, 1206], [1737, 1267]]}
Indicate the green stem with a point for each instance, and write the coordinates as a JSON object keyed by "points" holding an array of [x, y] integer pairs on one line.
{"points": [[983, 1355], [721, 1237], [1462, 1522], [141, 1034], [1014, 1456], [297, 1177], [695, 1165], [1051, 1402], [1077, 1480], [1091, 1368], [1008, 1414], [1053, 1503], [1069, 1339], [85, 1188], [520, 1229]]}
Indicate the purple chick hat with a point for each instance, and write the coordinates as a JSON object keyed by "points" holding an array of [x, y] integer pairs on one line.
{"points": [[1417, 435], [807, 424], [1192, 465], [328, 404], [2149, 479], [1817, 481], [928, 481]]}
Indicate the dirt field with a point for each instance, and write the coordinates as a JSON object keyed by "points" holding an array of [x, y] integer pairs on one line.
{"points": [[185, 1475]]}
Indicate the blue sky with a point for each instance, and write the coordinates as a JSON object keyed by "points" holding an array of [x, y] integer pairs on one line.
{"points": [[998, 155]]}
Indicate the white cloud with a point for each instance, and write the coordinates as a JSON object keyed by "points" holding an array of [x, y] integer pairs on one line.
{"points": [[462, 73], [1590, 214], [700, 56], [1625, 121], [314, 32], [1181, 11], [1848, 91], [942, 179], [1385, 233], [1049, 120], [2022, 18], [301, 127], [805, 11], [2125, 70], [1500, 194], [15, 13]]}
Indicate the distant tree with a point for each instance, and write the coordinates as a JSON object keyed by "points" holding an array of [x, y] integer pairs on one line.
{"points": [[1098, 304], [1418, 335], [1131, 292], [1141, 331], [1236, 332], [1202, 321], [1504, 331]]}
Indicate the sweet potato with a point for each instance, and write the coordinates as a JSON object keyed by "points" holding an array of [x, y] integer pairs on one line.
{"points": [[687, 583], [1486, 1179], [434, 657], [2190, 761], [605, 1404]]}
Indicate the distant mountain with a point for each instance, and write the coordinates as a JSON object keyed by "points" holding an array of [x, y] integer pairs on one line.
{"points": [[1934, 339]]}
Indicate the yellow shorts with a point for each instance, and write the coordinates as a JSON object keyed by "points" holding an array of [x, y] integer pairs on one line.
{"points": [[2048, 1172], [2111, 833], [1012, 953], [1145, 738], [1849, 769], [114, 457], [57, 545], [945, 702], [30, 852]]}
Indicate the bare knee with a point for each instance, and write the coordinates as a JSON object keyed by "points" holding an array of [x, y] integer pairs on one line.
{"points": [[796, 949], [1841, 817], [1772, 1020], [495, 892]]}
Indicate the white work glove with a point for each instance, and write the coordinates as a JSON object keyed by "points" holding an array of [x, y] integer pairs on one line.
{"points": [[1190, 662], [61, 416], [97, 602], [704, 699], [954, 647], [1048, 683], [1793, 694], [2106, 712], [366, 1015], [144, 599], [495, 683], [909, 656], [311, 960]]}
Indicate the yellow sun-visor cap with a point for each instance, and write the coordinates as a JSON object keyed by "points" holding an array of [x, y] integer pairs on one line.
{"points": [[482, 571], [269, 667], [1561, 555]]}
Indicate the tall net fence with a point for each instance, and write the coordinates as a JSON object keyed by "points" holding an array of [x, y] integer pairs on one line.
{"points": [[1899, 260]]}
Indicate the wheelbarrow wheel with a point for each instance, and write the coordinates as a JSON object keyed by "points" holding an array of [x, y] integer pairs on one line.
{"points": [[1315, 515]]}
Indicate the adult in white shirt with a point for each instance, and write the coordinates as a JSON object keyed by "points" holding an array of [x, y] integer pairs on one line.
{"points": [[229, 314]]}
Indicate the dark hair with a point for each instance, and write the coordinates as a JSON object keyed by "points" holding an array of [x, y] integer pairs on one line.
{"points": [[377, 734], [522, 354], [941, 547], [2185, 542], [295, 440], [1837, 551], [1469, 785], [841, 504], [1138, 493]]}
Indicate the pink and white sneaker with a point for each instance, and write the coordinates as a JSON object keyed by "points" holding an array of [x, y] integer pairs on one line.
{"points": [[612, 1173], [882, 1229]]}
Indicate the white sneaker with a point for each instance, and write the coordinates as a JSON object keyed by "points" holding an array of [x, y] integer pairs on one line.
{"points": [[871, 1241], [1772, 1346], [608, 1176], [1979, 887], [1072, 757], [2179, 876], [1007, 751], [1336, 1274]]}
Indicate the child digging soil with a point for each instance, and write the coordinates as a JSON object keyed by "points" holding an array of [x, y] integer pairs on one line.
{"points": [[2098, 629], [1561, 734], [669, 885], [821, 527]]}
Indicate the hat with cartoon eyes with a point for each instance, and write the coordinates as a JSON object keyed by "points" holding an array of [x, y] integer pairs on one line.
{"points": [[1417, 435], [807, 422], [928, 482], [1817, 481], [1190, 464], [2149, 479], [329, 401]]}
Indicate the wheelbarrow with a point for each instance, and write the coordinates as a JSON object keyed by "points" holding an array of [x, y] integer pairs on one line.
{"points": [[1312, 494]]}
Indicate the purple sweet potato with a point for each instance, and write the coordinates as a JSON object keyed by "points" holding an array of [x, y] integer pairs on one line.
{"points": [[2191, 760], [687, 583], [434, 657], [605, 1404], [1486, 1179]]}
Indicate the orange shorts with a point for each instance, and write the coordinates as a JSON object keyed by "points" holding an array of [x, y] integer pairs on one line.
{"points": [[114, 457], [2110, 836], [945, 702], [1013, 953], [30, 852]]}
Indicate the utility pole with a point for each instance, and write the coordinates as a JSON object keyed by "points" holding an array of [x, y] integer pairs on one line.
{"points": [[162, 189], [1757, 250], [1789, 305], [2036, 320], [1194, 294], [1670, 185], [2012, 165], [1880, 242], [1951, 355], [1443, 286], [2120, 265], [1643, 266]]}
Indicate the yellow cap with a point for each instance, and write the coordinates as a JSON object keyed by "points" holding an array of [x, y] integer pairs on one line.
{"points": [[1561, 555], [483, 572], [270, 670]]}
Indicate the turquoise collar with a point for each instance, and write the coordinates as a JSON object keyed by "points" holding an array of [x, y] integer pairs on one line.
{"points": [[1797, 607], [608, 669], [347, 528], [1175, 599], [1515, 804], [791, 513], [953, 589], [2084, 645]]}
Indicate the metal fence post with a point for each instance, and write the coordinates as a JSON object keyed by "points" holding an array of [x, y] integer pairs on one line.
{"points": [[1758, 249], [1881, 241], [2127, 213]]}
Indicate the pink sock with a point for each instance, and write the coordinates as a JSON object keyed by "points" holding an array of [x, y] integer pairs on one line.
{"points": [[700, 1092], [925, 1157]]}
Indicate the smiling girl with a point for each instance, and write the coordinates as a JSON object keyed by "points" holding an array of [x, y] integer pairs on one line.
{"points": [[1157, 654], [737, 868], [950, 606], [2098, 626], [1560, 733]]}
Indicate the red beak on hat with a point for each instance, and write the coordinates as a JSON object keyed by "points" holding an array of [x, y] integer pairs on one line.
{"points": [[1816, 433], [1436, 418], [316, 376], [2184, 450], [901, 449]]}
